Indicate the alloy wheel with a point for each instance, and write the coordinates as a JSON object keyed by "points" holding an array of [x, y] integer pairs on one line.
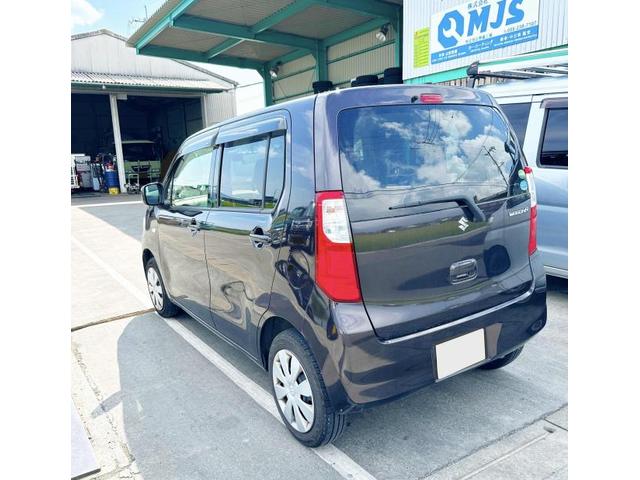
{"points": [[293, 390], [155, 288]]}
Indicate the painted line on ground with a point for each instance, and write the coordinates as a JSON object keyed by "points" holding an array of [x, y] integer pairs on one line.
{"points": [[505, 456], [106, 204], [130, 287], [336, 458]]}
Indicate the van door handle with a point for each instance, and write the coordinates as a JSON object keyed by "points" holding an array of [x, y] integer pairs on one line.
{"points": [[258, 237]]}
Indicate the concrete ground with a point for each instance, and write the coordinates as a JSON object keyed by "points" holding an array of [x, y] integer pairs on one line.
{"points": [[170, 400]]}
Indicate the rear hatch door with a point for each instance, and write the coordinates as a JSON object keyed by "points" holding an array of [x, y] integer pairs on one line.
{"points": [[439, 211]]}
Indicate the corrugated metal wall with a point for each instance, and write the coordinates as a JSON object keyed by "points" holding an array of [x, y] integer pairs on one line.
{"points": [[219, 107], [552, 21], [362, 55]]}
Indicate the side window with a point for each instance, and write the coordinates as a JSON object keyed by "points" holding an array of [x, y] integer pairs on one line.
{"points": [[275, 172], [518, 115], [242, 173], [555, 149], [190, 185]]}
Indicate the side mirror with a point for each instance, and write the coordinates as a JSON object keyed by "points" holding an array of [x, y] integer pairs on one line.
{"points": [[152, 194]]}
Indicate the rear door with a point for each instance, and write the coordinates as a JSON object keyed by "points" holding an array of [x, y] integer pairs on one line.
{"points": [[181, 222], [439, 211], [242, 244]]}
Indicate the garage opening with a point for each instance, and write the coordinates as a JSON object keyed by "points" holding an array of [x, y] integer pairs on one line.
{"points": [[151, 129]]}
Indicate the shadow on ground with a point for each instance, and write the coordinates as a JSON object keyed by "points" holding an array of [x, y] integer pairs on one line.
{"points": [[184, 419]]}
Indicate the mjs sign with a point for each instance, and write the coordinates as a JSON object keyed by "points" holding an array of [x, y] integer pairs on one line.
{"points": [[479, 26]]}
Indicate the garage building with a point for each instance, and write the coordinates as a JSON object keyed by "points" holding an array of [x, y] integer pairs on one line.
{"points": [[132, 106]]}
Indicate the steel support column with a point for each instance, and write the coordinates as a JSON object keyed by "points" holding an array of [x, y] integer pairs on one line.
{"points": [[268, 86], [117, 139], [320, 55]]}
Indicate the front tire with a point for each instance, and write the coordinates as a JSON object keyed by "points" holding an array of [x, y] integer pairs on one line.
{"points": [[159, 298], [299, 391]]}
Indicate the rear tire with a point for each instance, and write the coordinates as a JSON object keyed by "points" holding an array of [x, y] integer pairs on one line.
{"points": [[503, 361], [301, 391], [159, 298]]}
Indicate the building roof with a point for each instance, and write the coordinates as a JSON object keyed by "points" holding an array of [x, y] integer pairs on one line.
{"points": [[257, 33], [101, 60]]}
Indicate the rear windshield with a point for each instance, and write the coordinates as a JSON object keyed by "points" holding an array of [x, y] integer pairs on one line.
{"points": [[440, 148]]}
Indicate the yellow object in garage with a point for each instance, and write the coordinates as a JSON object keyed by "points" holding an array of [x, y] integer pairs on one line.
{"points": [[114, 191]]}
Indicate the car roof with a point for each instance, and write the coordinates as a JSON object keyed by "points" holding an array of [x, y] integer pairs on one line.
{"points": [[532, 86]]}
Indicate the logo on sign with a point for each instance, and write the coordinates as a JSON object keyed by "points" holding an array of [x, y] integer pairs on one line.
{"points": [[482, 25]]}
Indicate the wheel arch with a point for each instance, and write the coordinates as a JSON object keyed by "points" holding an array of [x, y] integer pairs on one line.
{"points": [[269, 330], [146, 256]]}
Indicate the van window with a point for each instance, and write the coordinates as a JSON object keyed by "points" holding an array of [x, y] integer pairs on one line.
{"points": [[275, 172], [518, 115], [191, 181], [445, 149], [555, 148], [242, 173]]}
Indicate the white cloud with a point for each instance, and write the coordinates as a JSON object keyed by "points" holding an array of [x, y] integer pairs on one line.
{"points": [[83, 13]]}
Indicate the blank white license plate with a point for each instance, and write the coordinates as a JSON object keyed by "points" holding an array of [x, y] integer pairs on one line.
{"points": [[459, 353]]}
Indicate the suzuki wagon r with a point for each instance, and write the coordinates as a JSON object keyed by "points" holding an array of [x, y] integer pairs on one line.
{"points": [[356, 244]]}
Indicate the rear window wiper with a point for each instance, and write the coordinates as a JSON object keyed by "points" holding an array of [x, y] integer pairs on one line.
{"points": [[462, 200]]}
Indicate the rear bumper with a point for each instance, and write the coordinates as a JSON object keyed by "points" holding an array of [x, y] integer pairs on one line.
{"points": [[373, 371]]}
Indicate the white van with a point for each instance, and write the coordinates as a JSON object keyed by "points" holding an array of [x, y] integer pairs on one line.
{"points": [[538, 112]]}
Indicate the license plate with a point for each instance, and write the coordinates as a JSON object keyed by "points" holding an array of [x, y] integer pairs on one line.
{"points": [[459, 353]]}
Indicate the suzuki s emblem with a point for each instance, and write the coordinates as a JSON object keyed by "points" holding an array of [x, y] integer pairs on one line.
{"points": [[463, 224]]}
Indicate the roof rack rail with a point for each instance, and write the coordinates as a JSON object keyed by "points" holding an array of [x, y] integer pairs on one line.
{"points": [[519, 70]]}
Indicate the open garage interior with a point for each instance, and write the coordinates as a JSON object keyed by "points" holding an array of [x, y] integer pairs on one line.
{"points": [[165, 121], [129, 114]]}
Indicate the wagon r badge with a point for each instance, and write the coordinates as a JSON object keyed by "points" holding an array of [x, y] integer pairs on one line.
{"points": [[518, 212], [463, 224]]}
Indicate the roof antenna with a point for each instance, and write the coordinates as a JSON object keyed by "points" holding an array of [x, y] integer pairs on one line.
{"points": [[133, 20]]}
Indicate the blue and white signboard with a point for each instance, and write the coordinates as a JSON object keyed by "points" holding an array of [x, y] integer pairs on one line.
{"points": [[479, 26], [441, 38]]}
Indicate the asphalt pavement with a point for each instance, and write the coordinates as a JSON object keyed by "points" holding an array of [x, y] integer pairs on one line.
{"points": [[170, 400]]}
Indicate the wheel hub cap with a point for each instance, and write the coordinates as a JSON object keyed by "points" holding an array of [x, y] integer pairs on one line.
{"points": [[155, 289], [293, 390]]}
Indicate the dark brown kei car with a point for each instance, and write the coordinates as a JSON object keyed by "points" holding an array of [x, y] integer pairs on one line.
{"points": [[358, 245]]}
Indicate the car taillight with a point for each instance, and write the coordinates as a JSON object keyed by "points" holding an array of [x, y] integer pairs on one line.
{"points": [[335, 260], [533, 222]]}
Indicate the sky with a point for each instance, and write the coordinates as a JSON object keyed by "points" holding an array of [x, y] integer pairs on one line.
{"points": [[123, 17]]}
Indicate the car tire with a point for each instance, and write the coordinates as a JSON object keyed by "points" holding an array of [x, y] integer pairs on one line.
{"points": [[301, 391], [502, 361], [159, 298]]}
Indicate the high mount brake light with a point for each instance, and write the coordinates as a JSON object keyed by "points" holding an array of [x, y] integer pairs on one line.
{"points": [[430, 98], [533, 217], [335, 259]]}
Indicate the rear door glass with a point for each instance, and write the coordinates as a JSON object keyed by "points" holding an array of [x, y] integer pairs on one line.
{"points": [[555, 148], [422, 152], [275, 172], [243, 170], [518, 115]]}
